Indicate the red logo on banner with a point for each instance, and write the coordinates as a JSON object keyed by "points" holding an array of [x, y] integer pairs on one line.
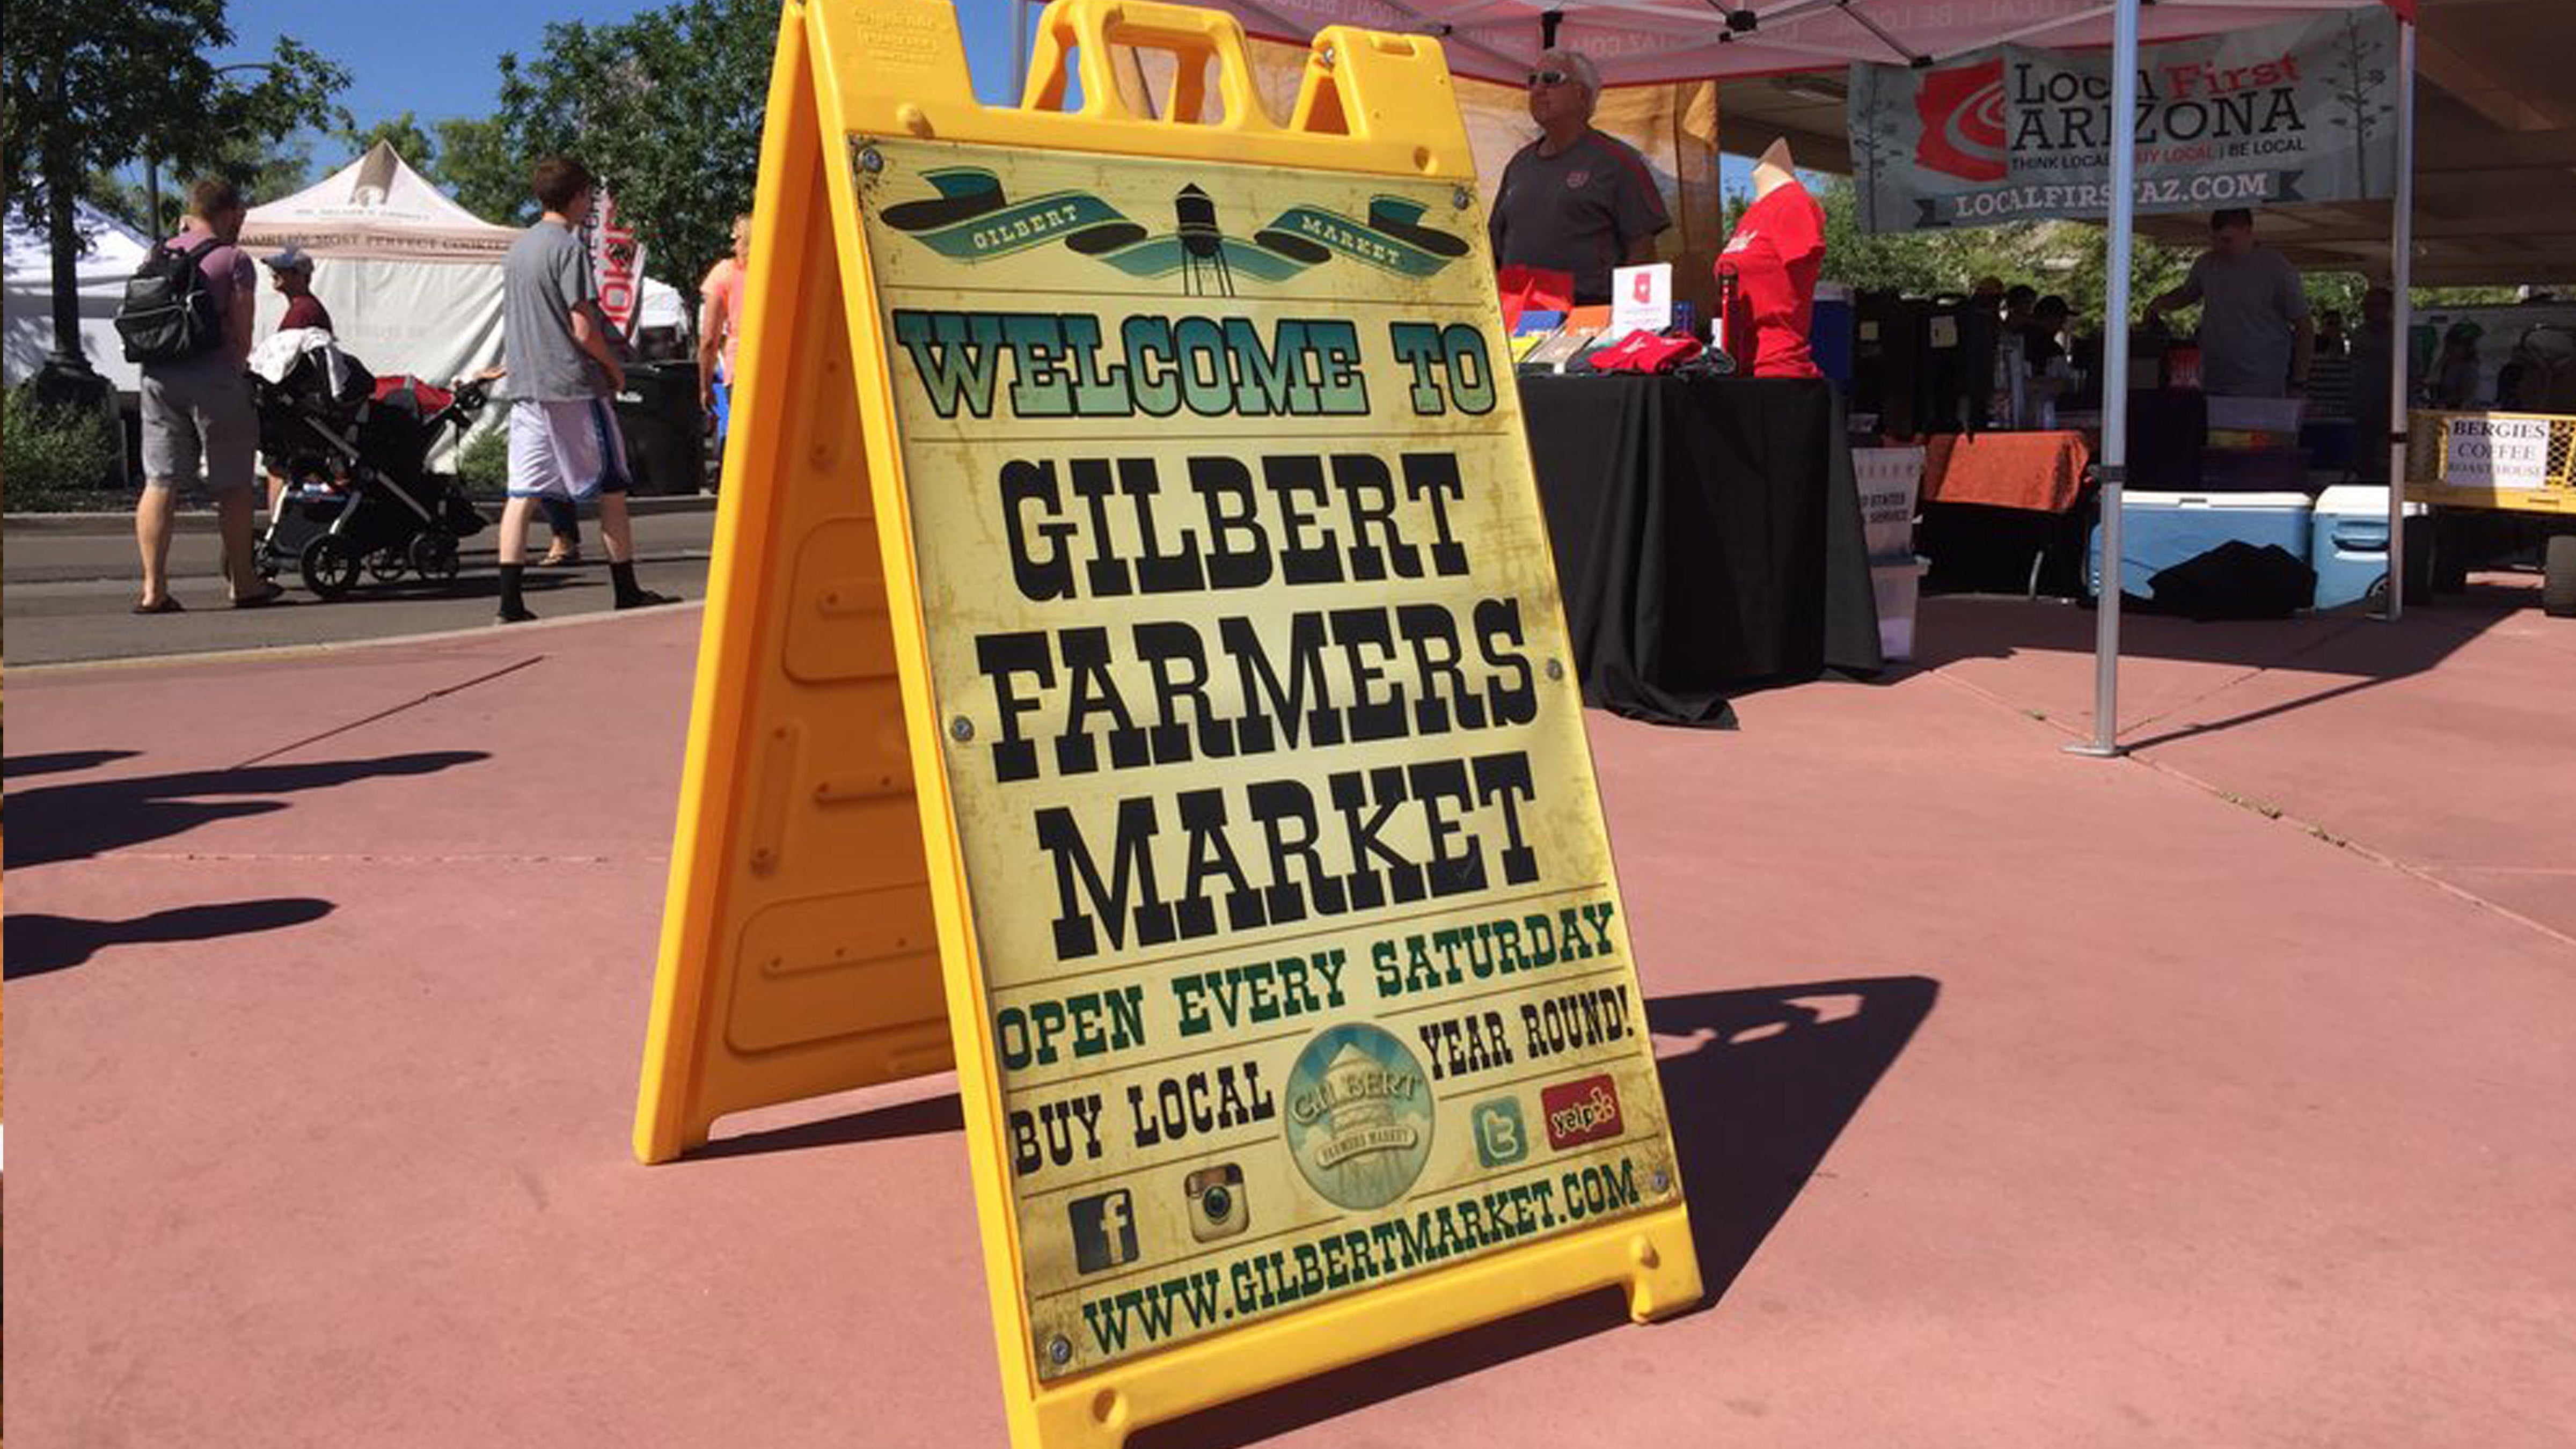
{"points": [[1963, 121], [617, 264], [1580, 1112]]}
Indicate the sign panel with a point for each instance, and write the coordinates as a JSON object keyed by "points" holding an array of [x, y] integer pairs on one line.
{"points": [[1303, 962], [1134, 671], [2496, 452], [1641, 299], [2301, 111], [2522, 462], [617, 259]]}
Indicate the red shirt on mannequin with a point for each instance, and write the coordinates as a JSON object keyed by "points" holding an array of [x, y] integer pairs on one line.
{"points": [[1774, 255]]}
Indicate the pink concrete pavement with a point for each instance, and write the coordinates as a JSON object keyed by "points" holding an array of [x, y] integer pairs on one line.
{"points": [[2214, 1097]]}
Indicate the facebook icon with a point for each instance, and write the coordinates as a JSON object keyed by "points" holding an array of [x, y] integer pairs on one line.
{"points": [[1104, 1230]]}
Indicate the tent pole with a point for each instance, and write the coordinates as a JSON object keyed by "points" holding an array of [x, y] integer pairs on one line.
{"points": [[2401, 277], [1019, 47], [2115, 381]]}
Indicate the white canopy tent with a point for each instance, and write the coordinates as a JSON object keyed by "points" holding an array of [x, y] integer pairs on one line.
{"points": [[1637, 42], [115, 250], [412, 280]]}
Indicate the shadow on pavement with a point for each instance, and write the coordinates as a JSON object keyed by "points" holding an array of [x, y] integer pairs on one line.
{"points": [[921, 1118], [55, 823], [35, 944], [1776, 1074], [62, 762]]}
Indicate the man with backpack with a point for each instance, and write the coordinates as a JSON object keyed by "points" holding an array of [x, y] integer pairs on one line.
{"points": [[187, 320]]}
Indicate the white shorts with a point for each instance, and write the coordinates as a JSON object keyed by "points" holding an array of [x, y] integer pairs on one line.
{"points": [[565, 448]]}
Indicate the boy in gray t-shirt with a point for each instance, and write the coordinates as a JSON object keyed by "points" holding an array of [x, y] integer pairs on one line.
{"points": [[564, 439], [2255, 334]]}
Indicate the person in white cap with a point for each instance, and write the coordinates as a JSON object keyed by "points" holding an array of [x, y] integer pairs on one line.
{"points": [[290, 272]]}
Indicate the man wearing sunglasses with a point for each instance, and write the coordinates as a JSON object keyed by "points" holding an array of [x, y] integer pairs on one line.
{"points": [[1574, 200]]}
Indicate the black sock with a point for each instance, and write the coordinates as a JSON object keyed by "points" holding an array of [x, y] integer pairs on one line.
{"points": [[621, 573], [511, 573]]}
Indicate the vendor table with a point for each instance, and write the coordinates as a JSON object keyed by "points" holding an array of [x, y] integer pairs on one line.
{"points": [[2039, 472], [2005, 512], [1708, 537]]}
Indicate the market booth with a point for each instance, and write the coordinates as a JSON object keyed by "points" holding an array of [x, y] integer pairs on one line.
{"points": [[413, 283]]}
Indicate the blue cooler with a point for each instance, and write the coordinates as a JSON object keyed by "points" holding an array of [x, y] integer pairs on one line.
{"points": [[2159, 530], [1830, 332], [2348, 546]]}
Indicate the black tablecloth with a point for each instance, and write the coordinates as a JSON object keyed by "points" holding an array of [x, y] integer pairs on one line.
{"points": [[1708, 537]]}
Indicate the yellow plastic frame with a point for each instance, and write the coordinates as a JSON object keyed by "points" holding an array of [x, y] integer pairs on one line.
{"points": [[847, 71]]}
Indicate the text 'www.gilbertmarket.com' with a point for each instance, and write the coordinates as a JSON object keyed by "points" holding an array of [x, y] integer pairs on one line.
{"points": [[1204, 1298]]}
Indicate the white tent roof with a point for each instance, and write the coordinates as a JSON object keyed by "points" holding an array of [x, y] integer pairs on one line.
{"points": [[115, 250], [1637, 42], [376, 206]]}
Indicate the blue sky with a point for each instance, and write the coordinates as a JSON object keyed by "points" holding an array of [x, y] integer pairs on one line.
{"points": [[440, 61], [447, 66]]}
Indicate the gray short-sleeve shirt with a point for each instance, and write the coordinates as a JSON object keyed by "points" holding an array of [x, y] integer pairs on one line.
{"points": [[1576, 211], [2250, 307], [545, 276]]}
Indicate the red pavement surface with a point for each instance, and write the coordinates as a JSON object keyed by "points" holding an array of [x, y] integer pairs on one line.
{"points": [[2215, 1097]]}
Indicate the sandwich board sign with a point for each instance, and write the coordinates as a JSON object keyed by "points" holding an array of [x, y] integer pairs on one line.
{"points": [[1134, 675]]}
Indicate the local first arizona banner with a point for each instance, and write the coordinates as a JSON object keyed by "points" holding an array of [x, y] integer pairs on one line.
{"points": [[1305, 968], [2302, 111]]}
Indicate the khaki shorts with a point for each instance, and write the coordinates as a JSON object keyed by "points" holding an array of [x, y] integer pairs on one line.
{"points": [[200, 424]]}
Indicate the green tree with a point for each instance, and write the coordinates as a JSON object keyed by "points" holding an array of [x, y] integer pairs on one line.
{"points": [[407, 138], [666, 108], [87, 87], [480, 168], [263, 169]]}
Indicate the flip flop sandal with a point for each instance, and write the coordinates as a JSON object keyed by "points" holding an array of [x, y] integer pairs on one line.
{"points": [[166, 606], [262, 600]]}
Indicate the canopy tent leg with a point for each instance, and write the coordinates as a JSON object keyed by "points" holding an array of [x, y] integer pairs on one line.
{"points": [[2115, 384], [2401, 276]]}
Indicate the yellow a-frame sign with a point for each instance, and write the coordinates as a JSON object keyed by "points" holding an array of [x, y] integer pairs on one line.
{"points": [[1134, 673]]}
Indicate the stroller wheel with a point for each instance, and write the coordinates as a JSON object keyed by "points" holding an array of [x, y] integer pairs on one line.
{"points": [[329, 566], [264, 558], [433, 556], [385, 565]]}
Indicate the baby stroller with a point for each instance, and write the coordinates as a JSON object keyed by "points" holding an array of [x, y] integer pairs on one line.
{"points": [[359, 496]]}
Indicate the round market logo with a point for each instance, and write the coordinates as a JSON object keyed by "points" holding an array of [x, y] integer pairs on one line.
{"points": [[1962, 110], [1359, 1116]]}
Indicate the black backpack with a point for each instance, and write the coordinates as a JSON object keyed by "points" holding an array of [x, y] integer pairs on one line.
{"points": [[169, 313]]}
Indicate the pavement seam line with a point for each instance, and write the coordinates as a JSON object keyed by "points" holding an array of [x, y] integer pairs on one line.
{"points": [[2251, 674], [2276, 814], [277, 653], [439, 693], [2366, 852]]}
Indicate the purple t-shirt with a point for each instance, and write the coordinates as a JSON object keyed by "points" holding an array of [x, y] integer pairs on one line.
{"points": [[226, 268]]}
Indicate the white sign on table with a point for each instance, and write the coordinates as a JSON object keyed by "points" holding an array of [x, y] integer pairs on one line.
{"points": [[2496, 453], [1641, 299]]}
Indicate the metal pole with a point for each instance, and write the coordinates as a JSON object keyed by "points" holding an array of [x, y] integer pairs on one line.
{"points": [[2401, 276], [2115, 382]]}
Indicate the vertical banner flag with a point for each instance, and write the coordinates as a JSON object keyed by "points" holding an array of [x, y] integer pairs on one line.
{"points": [[617, 261], [1176, 476], [2301, 111]]}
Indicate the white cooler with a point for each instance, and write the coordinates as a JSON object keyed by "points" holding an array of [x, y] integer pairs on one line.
{"points": [[2159, 530], [2348, 542]]}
